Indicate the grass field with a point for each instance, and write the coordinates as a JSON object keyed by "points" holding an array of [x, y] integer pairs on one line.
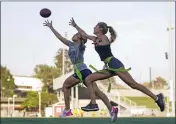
{"points": [[87, 121], [144, 101]]}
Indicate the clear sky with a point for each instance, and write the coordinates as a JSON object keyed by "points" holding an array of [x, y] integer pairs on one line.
{"points": [[141, 26]]}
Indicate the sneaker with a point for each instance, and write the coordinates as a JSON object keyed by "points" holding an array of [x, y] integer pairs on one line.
{"points": [[113, 113], [160, 102], [66, 113], [90, 107], [85, 106]]}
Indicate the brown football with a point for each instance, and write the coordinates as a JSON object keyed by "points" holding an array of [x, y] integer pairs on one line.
{"points": [[45, 13]]}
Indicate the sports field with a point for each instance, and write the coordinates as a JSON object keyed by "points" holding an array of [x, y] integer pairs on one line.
{"points": [[87, 121]]}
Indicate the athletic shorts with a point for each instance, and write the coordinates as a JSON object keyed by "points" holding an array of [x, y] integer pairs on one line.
{"points": [[115, 64], [84, 73]]}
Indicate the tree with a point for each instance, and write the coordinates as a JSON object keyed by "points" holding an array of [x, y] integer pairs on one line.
{"points": [[159, 83], [32, 101], [46, 74], [7, 82], [147, 84], [48, 99], [59, 58]]}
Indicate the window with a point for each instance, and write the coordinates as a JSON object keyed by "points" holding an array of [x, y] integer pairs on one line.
{"points": [[26, 87]]}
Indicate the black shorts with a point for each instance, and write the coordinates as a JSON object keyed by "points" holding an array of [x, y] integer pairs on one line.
{"points": [[84, 73], [115, 64]]}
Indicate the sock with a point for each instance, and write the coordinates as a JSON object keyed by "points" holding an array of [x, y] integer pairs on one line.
{"points": [[67, 110], [156, 99]]}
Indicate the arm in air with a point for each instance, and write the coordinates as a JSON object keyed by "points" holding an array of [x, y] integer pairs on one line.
{"points": [[58, 35], [81, 31]]}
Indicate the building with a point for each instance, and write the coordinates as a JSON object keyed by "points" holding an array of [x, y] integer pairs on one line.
{"points": [[24, 84]]}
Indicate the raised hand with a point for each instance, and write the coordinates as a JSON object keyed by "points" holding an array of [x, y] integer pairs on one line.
{"points": [[72, 22], [48, 24]]}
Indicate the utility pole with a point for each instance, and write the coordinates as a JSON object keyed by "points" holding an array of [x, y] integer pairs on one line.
{"points": [[150, 77], [170, 58]]}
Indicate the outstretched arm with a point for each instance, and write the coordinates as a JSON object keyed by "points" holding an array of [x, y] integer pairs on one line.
{"points": [[81, 31], [59, 36]]}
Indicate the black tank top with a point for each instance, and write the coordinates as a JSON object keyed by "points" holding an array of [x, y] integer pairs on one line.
{"points": [[104, 51]]}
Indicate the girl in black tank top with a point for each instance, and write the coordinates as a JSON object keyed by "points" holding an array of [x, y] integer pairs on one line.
{"points": [[113, 66], [104, 51]]}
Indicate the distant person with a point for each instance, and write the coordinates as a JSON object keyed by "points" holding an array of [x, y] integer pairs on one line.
{"points": [[153, 113], [24, 113], [81, 113], [102, 112], [114, 66], [76, 55], [75, 112]]}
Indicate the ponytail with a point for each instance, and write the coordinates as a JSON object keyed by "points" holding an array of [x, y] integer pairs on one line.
{"points": [[113, 34]]}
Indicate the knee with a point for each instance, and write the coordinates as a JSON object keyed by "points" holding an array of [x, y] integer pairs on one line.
{"points": [[65, 87], [88, 81]]}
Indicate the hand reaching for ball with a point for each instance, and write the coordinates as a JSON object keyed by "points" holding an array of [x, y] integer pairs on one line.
{"points": [[72, 22], [48, 24]]}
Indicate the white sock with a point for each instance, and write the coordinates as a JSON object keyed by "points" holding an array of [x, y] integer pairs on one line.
{"points": [[67, 110], [156, 99]]}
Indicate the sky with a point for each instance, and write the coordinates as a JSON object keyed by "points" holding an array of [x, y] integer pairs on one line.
{"points": [[141, 27]]}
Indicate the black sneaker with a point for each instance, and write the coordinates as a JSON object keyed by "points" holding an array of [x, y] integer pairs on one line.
{"points": [[90, 107], [83, 108], [160, 102]]}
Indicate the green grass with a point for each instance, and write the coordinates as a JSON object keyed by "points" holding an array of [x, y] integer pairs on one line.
{"points": [[145, 101], [142, 101], [87, 121]]}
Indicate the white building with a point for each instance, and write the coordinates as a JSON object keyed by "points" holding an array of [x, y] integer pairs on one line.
{"points": [[24, 83]]}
